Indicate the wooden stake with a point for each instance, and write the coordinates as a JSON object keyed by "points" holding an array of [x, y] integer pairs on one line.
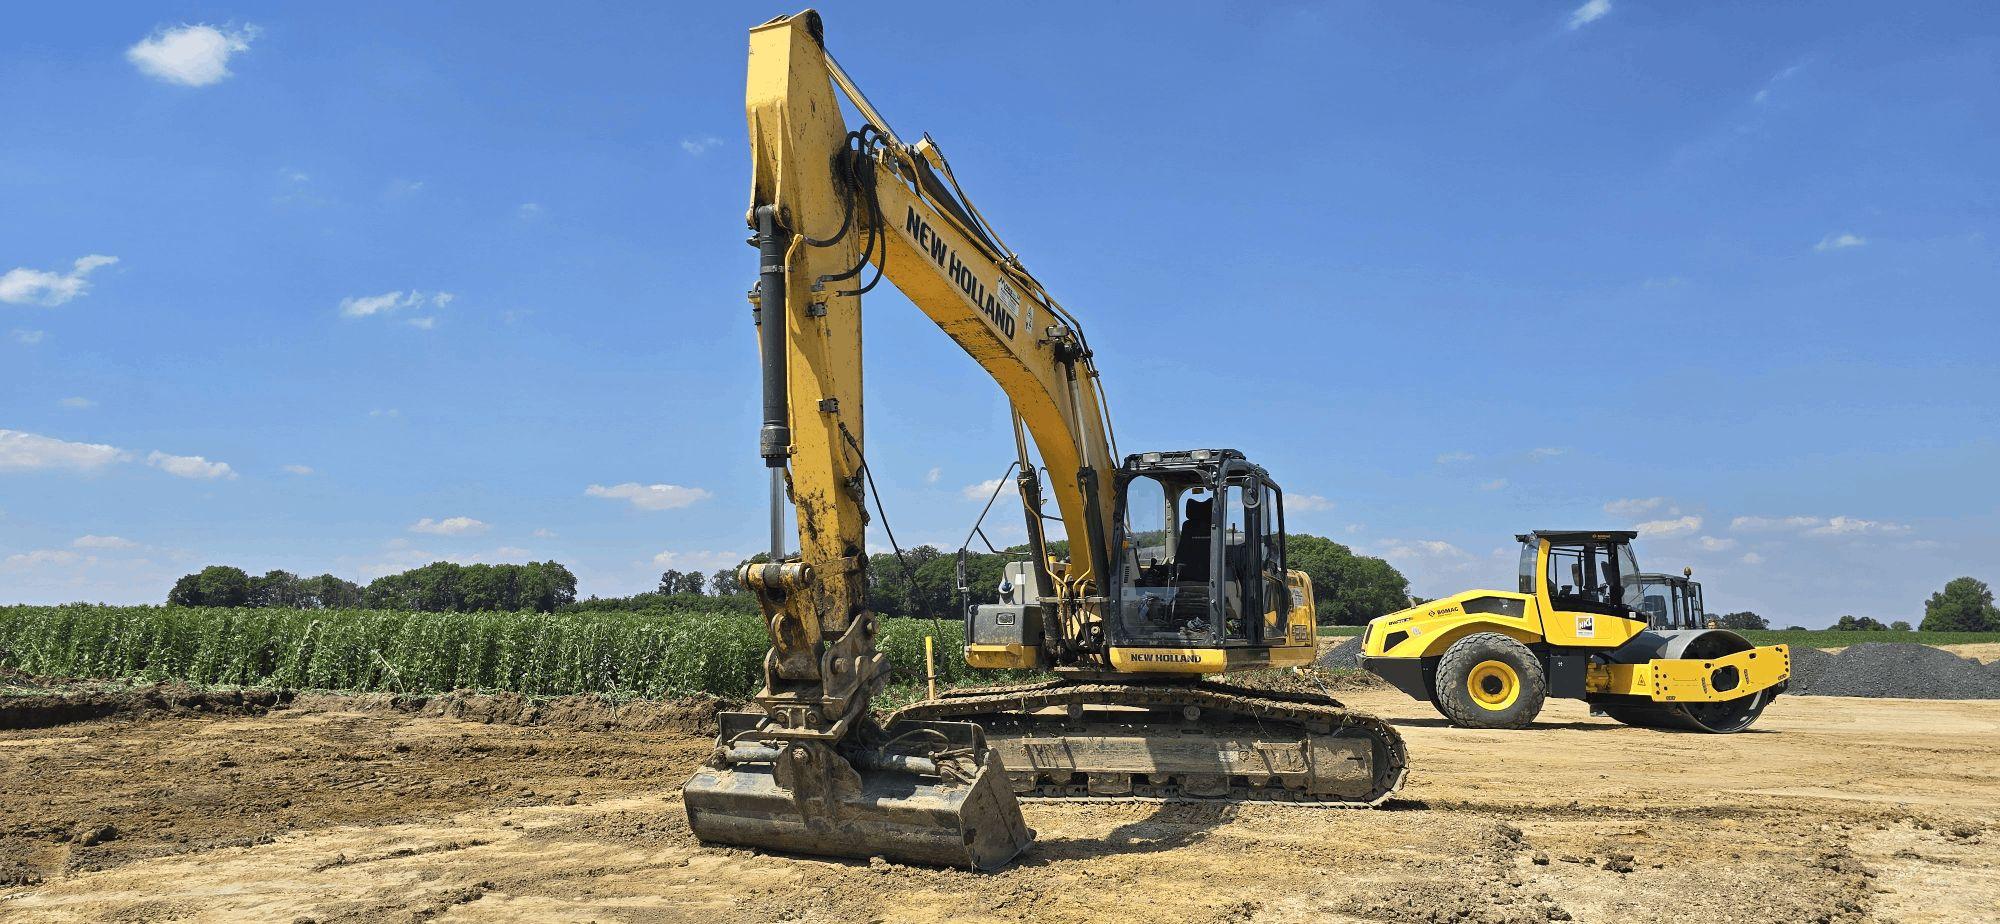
{"points": [[930, 667]]}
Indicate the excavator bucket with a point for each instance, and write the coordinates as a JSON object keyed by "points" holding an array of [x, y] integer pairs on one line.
{"points": [[933, 794]]}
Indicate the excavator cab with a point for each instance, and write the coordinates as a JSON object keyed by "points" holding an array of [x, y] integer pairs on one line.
{"points": [[1199, 552], [1672, 601]]}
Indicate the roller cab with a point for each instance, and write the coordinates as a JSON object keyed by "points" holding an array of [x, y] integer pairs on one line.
{"points": [[1583, 623]]}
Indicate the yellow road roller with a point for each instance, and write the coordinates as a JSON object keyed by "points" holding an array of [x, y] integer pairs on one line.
{"points": [[1576, 627]]}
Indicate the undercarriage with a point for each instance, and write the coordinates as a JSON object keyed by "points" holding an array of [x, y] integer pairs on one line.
{"points": [[1178, 741]]}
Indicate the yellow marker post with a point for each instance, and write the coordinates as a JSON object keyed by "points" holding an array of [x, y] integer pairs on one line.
{"points": [[930, 667]]}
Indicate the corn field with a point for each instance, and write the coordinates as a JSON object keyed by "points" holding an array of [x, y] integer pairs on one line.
{"points": [[644, 654]]}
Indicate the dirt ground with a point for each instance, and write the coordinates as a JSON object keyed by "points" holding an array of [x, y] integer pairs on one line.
{"points": [[339, 811]]}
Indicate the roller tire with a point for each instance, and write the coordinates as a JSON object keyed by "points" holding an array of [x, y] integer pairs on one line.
{"points": [[1722, 718], [1488, 680]]}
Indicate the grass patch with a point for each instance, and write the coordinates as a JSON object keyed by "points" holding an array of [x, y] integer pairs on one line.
{"points": [[1325, 631], [660, 653], [1828, 638]]}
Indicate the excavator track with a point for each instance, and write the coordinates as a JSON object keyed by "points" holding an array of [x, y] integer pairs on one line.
{"points": [[1179, 742]]}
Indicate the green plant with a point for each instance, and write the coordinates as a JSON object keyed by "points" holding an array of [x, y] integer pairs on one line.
{"points": [[654, 653]]}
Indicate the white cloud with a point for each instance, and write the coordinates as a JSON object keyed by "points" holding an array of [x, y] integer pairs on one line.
{"points": [[507, 552], [1660, 529], [65, 575], [103, 542], [528, 211], [1752, 558], [1712, 544], [1353, 528], [361, 306], [1545, 452], [385, 412], [701, 145], [1765, 92], [29, 337], [77, 403], [650, 496], [24, 286], [193, 56], [188, 466], [1853, 526], [1451, 457], [980, 491], [299, 469], [1422, 549], [1435, 566], [449, 526], [1494, 485], [932, 476], [27, 452], [1839, 242], [1307, 503], [1633, 506], [703, 561], [1818, 526], [389, 303], [1590, 12], [422, 323], [543, 534], [41, 557], [1772, 524]]}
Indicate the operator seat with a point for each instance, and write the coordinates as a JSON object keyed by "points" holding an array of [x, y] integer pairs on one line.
{"points": [[1191, 553]]}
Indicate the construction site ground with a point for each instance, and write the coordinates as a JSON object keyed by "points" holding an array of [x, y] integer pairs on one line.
{"points": [[340, 810]]}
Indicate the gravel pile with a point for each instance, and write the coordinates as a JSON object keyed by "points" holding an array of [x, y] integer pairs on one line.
{"points": [[1809, 667], [1344, 655], [1892, 669]]}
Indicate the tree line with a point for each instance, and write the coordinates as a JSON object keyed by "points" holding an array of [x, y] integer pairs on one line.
{"points": [[1349, 589], [1964, 605], [922, 582], [439, 587]]}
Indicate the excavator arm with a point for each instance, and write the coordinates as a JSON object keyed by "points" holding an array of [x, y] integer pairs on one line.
{"points": [[837, 198], [827, 205]]}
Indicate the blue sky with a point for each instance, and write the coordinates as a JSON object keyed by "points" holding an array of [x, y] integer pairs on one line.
{"points": [[393, 285]]}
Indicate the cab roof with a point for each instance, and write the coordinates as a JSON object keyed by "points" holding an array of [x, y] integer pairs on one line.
{"points": [[1579, 535]]}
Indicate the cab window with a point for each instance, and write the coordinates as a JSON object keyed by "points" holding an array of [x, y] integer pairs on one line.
{"points": [[1589, 577], [1235, 560], [1149, 542]]}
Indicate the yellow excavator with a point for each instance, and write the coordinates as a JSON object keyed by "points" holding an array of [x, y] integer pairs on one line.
{"points": [[1175, 568], [1581, 625]]}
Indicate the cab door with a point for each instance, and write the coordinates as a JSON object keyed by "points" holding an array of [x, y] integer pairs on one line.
{"points": [[1581, 593]]}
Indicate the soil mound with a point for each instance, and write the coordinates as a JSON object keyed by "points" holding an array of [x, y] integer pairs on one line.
{"points": [[48, 707]]}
